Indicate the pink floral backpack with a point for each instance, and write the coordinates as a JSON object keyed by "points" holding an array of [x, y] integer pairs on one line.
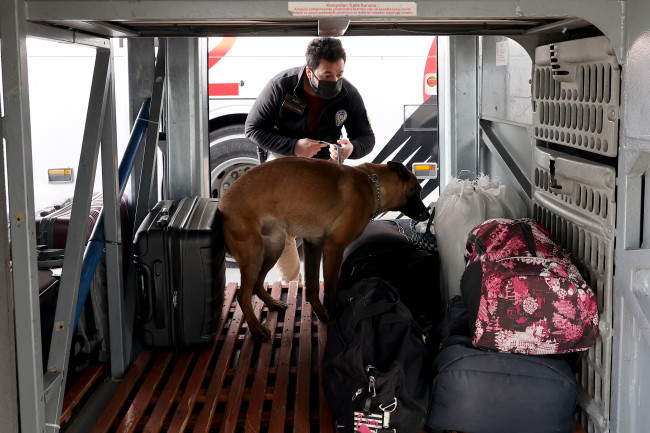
{"points": [[525, 292]]}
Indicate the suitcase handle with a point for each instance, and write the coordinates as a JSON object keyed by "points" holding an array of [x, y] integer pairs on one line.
{"points": [[144, 276]]}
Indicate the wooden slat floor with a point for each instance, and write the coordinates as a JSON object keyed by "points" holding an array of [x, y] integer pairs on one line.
{"points": [[236, 385]]}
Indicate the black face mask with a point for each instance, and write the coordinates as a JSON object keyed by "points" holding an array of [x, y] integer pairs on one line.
{"points": [[326, 89]]}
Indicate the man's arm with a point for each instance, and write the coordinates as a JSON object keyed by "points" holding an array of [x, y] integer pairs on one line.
{"points": [[358, 128], [261, 120]]}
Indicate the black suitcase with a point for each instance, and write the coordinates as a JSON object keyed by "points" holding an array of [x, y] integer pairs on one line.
{"points": [[482, 391], [180, 256]]}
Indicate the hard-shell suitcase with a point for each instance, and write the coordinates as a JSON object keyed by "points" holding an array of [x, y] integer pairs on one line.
{"points": [[180, 256], [52, 222]]}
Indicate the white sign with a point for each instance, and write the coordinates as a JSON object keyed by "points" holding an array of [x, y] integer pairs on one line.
{"points": [[368, 9], [502, 53]]}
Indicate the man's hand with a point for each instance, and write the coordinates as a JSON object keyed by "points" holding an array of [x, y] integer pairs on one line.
{"points": [[346, 150], [307, 147]]}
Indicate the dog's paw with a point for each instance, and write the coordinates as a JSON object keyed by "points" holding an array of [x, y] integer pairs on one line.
{"points": [[261, 334]]}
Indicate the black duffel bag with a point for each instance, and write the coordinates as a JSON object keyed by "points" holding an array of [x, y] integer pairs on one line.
{"points": [[384, 250], [483, 391], [376, 368]]}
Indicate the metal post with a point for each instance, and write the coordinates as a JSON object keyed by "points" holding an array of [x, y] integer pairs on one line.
{"points": [[141, 57], [75, 242], [21, 214], [187, 136], [147, 173], [8, 384], [113, 234]]}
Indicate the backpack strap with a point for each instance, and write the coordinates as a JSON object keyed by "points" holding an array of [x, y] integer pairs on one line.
{"points": [[378, 307]]}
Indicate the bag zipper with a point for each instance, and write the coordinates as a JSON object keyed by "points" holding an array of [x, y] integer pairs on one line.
{"points": [[528, 237]]}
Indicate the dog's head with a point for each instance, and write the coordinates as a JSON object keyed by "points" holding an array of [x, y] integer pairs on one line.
{"points": [[411, 204]]}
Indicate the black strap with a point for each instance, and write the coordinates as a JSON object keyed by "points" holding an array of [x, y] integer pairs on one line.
{"points": [[374, 309]]}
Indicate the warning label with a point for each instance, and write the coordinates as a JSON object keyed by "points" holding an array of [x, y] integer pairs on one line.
{"points": [[368, 9]]}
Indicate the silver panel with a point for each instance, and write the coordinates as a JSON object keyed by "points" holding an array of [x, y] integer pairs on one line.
{"points": [[462, 109], [576, 94], [187, 128], [576, 200]]}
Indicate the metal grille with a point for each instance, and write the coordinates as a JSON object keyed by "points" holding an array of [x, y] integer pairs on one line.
{"points": [[576, 87], [575, 199]]}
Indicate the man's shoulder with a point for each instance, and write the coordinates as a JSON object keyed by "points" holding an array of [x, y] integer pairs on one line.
{"points": [[288, 76]]}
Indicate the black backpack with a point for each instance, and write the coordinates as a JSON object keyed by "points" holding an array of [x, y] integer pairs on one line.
{"points": [[376, 368]]}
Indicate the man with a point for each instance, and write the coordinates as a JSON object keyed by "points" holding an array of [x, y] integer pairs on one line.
{"points": [[301, 111]]}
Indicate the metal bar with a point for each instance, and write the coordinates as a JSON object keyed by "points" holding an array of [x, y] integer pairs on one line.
{"points": [[169, 394], [20, 177], [8, 384], [108, 417], [281, 388], [558, 26], [258, 391], [147, 173], [501, 154], [303, 374], [113, 230], [75, 242], [145, 393], [141, 75], [64, 35]]}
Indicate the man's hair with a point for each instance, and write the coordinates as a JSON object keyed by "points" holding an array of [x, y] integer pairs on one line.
{"points": [[327, 48]]}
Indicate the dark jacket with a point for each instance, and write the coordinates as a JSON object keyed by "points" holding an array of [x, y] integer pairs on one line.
{"points": [[280, 115]]}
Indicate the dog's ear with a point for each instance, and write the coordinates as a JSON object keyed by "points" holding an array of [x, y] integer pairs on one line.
{"points": [[399, 168]]}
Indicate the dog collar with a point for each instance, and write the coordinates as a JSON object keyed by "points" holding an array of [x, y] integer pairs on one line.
{"points": [[374, 179]]}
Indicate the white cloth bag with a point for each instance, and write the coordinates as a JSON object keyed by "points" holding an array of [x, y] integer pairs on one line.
{"points": [[463, 205]]}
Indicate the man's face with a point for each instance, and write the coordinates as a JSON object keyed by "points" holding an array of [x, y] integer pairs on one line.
{"points": [[327, 71]]}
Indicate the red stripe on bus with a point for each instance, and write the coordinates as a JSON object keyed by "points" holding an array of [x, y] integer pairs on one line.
{"points": [[219, 51], [223, 89], [431, 65]]}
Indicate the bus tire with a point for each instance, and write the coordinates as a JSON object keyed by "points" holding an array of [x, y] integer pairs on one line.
{"points": [[231, 155]]}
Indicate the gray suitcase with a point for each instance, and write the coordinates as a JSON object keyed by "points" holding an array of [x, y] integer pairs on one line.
{"points": [[180, 256]]}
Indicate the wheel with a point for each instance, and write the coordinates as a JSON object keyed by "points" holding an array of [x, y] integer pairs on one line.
{"points": [[231, 155]]}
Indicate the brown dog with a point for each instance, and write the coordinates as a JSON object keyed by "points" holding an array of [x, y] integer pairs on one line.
{"points": [[326, 204]]}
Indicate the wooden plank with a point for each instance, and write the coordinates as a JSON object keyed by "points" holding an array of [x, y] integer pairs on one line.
{"points": [[326, 420], [141, 400], [301, 421], [167, 397], [108, 416], [236, 393], [219, 373], [259, 391], [279, 404], [184, 409], [79, 389]]}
